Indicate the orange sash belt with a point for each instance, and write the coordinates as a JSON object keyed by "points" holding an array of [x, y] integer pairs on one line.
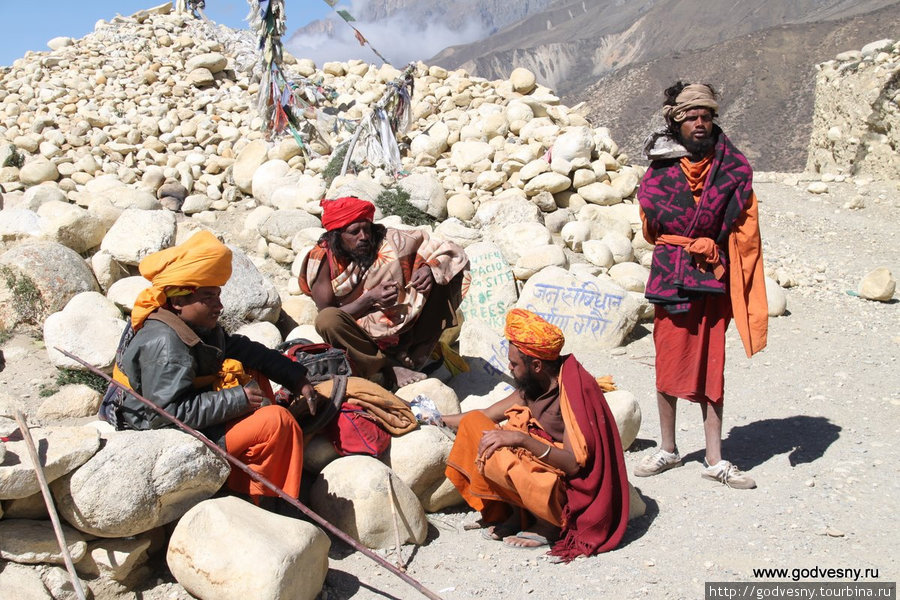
{"points": [[703, 249]]}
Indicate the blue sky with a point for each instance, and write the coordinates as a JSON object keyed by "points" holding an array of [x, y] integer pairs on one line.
{"points": [[30, 24]]}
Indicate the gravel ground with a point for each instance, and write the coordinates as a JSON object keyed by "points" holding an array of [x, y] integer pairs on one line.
{"points": [[811, 418]]}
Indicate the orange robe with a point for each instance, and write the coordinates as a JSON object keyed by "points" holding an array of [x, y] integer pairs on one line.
{"points": [[510, 476], [270, 442]]}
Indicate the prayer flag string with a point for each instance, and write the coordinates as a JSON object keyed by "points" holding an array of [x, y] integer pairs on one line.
{"points": [[348, 19]]}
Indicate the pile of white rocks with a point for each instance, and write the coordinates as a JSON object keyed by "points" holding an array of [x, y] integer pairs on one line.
{"points": [[856, 124], [133, 138]]}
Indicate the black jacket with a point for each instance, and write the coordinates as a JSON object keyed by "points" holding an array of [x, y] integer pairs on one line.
{"points": [[166, 357]]}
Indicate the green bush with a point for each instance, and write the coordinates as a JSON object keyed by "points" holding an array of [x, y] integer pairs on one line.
{"points": [[26, 298], [72, 376], [333, 168], [395, 201]]}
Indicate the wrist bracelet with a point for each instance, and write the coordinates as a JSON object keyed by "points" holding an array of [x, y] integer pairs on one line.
{"points": [[546, 452]]}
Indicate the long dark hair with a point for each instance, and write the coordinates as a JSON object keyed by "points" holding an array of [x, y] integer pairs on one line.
{"points": [[332, 240]]}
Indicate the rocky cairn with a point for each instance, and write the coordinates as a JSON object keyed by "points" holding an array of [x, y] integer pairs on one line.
{"points": [[856, 125], [134, 137]]}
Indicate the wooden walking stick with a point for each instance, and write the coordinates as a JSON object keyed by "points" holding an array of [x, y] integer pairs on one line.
{"points": [[392, 498], [48, 500], [259, 478]]}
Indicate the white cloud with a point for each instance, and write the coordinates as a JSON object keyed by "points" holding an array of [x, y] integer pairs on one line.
{"points": [[397, 38]]}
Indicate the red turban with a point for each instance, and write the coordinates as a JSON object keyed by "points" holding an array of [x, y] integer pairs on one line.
{"points": [[533, 335], [343, 211]]}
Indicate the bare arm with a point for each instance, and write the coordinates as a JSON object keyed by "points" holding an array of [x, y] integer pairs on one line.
{"points": [[561, 458], [495, 412]]}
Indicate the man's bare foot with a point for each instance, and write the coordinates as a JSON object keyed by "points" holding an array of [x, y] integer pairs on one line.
{"points": [[540, 534], [405, 376]]}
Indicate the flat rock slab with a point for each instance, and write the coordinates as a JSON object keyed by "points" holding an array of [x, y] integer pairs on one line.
{"points": [[32, 542], [61, 450]]}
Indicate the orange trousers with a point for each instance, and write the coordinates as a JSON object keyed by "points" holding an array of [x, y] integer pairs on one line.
{"points": [[510, 476], [270, 442]]}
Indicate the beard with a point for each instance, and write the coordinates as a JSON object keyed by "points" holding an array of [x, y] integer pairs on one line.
{"points": [[529, 385], [698, 147], [363, 254]]}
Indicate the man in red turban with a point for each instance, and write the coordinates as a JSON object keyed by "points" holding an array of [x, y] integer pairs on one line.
{"points": [[554, 473], [384, 295]]}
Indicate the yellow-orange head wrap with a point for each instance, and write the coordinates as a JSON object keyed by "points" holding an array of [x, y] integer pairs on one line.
{"points": [[533, 335], [201, 261]]}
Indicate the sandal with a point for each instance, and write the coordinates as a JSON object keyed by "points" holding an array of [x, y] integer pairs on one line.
{"points": [[540, 541]]}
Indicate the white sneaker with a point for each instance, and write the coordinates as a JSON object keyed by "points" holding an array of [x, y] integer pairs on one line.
{"points": [[656, 463], [728, 474]]}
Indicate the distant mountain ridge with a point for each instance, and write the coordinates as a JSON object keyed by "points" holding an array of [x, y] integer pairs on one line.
{"points": [[618, 56]]}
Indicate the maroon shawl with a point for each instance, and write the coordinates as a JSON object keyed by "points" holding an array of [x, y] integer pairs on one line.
{"points": [[596, 511]]}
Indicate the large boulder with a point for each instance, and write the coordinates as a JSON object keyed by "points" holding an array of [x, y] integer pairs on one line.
{"points": [[63, 449], [352, 493], [138, 233], [517, 239], [592, 312], [627, 413], [419, 459], [425, 193], [89, 327], [277, 557], [71, 225], [39, 279], [443, 396], [138, 481], [492, 290], [249, 159], [281, 226], [248, 296]]}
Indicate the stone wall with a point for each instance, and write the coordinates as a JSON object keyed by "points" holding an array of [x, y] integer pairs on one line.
{"points": [[856, 125]]}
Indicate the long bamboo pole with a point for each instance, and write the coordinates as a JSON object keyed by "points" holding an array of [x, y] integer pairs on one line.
{"points": [[257, 477], [48, 500]]}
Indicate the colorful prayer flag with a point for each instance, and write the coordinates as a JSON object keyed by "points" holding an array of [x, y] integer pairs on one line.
{"points": [[345, 15], [359, 37]]}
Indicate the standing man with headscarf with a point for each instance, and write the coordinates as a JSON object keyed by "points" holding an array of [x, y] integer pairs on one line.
{"points": [[554, 473], [384, 295], [175, 354], [699, 209]]}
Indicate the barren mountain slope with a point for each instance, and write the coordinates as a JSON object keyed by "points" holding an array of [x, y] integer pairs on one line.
{"points": [[574, 41], [766, 79]]}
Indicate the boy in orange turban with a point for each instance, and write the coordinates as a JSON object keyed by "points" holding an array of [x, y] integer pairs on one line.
{"points": [[175, 354], [554, 473]]}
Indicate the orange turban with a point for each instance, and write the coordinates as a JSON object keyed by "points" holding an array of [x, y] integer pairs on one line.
{"points": [[201, 261], [533, 335], [343, 211]]}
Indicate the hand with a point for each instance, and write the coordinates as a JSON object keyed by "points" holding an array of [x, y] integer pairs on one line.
{"points": [[493, 440], [385, 294], [422, 279], [308, 394], [255, 396]]}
